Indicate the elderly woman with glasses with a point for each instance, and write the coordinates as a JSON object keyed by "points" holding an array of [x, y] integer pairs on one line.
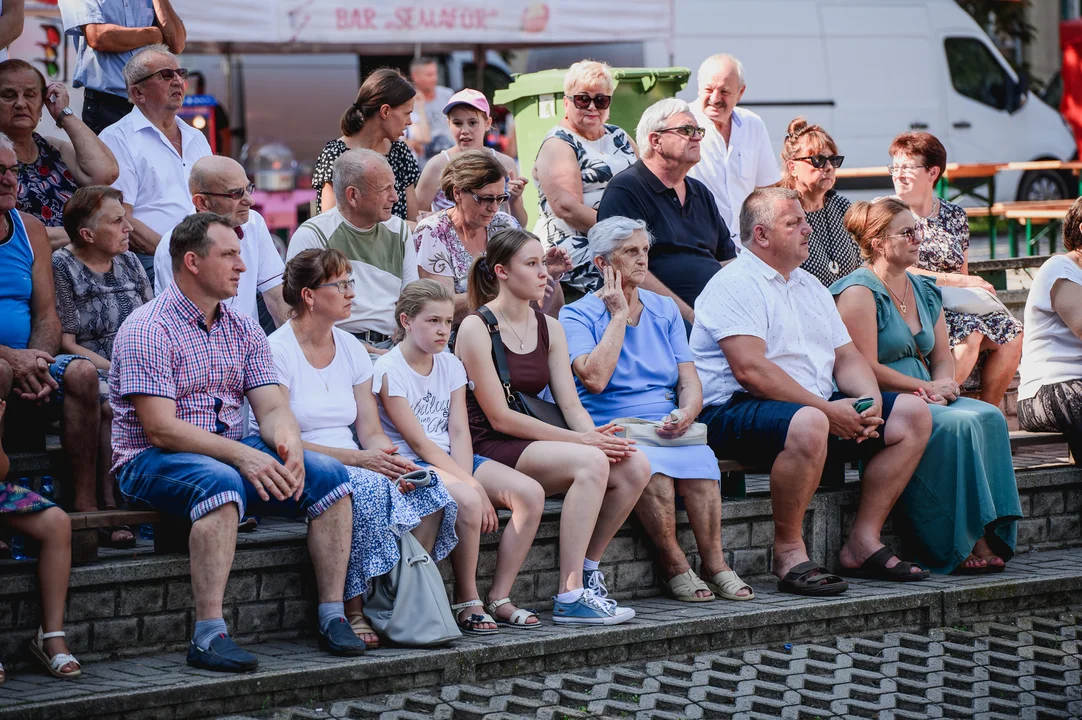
{"points": [[918, 160], [961, 505], [630, 356], [576, 161]]}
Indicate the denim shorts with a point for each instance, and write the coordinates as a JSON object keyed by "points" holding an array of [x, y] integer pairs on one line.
{"points": [[478, 461], [753, 431], [193, 485]]}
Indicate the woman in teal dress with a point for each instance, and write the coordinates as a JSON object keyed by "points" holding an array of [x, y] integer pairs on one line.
{"points": [[961, 507]]}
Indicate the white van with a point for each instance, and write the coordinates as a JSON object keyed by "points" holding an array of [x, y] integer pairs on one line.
{"points": [[867, 70]]}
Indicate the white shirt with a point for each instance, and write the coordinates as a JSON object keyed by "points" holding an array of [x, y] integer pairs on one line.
{"points": [[1051, 353], [733, 170], [322, 400], [797, 319], [428, 396], [263, 265], [153, 175]]}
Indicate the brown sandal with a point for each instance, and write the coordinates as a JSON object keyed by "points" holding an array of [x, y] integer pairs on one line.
{"points": [[361, 628]]}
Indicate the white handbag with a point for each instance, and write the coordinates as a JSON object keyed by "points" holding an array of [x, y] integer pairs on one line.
{"points": [[971, 300]]}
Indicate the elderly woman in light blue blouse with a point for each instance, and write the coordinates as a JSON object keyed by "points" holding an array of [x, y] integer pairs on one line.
{"points": [[630, 356]]}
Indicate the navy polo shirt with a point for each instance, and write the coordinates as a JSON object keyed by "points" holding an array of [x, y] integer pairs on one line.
{"points": [[690, 240]]}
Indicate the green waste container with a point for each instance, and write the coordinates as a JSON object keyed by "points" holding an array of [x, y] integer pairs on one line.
{"points": [[536, 101]]}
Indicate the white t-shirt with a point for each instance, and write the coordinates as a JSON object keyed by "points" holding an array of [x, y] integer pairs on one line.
{"points": [[429, 397], [322, 400], [1051, 353], [797, 319]]}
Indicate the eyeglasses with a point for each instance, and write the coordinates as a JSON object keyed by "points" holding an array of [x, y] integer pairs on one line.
{"points": [[13, 169], [601, 102], [688, 131], [820, 161], [344, 286], [912, 235], [490, 199], [167, 74], [235, 193], [904, 169]]}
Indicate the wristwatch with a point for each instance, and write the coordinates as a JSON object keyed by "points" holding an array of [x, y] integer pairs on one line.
{"points": [[63, 114]]}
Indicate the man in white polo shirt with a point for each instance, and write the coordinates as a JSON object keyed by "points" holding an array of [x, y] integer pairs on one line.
{"points": [[154, 149], [736, 155], [219, 185]]}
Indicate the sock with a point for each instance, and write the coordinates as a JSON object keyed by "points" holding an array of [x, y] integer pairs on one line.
{"points": [[330, 611], [588, 564], [570, 596], [207, 630]]}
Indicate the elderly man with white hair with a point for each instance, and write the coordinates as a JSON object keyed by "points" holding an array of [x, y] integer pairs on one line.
{"points": [[691, 239], [736, 154], [379, 245], [154, 149]]}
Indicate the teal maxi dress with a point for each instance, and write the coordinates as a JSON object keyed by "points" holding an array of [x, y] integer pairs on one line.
{"points": [[964, 488]]}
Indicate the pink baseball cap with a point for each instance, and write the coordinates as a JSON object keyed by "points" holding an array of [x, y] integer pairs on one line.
{"points": [[473, 98]]}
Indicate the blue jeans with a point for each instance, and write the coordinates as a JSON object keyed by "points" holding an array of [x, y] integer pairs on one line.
{"points": [[478, 461], [194, 485]]}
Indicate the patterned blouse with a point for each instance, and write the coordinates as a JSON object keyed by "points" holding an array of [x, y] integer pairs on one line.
{"points": [[441, 252], [402, 161], [832, 252], [45, 185], [599, 162]]}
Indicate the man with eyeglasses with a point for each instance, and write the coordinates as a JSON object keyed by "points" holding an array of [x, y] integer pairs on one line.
{"points": [[736, 156], [107, 34], [219, 185], [379, 245], [154, 149], [691, 241]]}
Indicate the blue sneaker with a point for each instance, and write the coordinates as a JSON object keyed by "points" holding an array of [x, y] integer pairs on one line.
{"points": [[595, 580], [222, 655], [590, 609]]}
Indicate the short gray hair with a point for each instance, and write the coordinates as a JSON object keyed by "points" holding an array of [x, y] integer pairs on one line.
{"points": [[761, 208], [717, 59], [587, 73], [655, 117], [5, 143], [608, 235], [354, 168], [138, 67]]}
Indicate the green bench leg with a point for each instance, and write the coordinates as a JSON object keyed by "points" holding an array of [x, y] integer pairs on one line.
{"points": [[1029, 237], [1012, 237]]}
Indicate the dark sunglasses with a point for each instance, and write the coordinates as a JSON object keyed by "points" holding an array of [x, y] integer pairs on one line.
{"points": [[490, 199], [167, 74], [688, 131], [820, 161], [235, 193], [601, 102]]}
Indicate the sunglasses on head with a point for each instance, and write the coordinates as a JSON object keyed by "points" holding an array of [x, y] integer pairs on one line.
{"points": [[820, 161], [601, 102], [166, 74]]}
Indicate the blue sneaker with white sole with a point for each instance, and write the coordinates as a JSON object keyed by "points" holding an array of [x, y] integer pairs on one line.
{"points": [[590, 609]]}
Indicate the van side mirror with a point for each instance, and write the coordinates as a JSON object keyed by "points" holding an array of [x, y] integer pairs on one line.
{"points": [[1017, 93]]}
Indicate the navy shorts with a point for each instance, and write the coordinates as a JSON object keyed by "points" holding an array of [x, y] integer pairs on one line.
{"points": [[753, 431]]}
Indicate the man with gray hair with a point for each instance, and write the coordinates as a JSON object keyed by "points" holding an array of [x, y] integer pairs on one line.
{"points": [[691, 239], [154, 149], [770, 349], [736, 152], [379, 245]]}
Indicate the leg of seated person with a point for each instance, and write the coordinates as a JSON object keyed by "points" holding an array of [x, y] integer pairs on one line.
{"points": [[7, 380], [656, 510], [429, 530], [885, 477], [106, 481], [464, 556], [79, 430], [702, 502], [329, 538], [212, 544], [794, 477], [999, 368], [627, 479], [965, 355]]}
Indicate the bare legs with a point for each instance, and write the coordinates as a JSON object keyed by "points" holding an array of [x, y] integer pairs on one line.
{"points": [[212, 542], [999, 367], [464, 556], [329, 538], [793, 480], [79, 431]]}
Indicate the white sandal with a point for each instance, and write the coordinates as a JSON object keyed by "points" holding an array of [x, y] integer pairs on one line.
{"points": [[726, 584], [470, 623], [53, 664], [518, 619]]}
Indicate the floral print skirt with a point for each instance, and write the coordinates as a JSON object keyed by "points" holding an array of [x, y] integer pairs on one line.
{"points": [[998, 327], [17, 500]]}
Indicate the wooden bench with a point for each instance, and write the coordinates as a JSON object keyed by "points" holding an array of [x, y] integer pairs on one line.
{"points": [[1028, 214], [85, 526]]}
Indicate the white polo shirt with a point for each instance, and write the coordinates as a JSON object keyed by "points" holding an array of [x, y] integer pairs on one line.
{"points": [[263, 265], [797, 319], [733, 170], [153, 175]]}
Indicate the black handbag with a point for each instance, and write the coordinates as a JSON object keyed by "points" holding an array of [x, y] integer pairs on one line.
{"points": [[535, 407]]}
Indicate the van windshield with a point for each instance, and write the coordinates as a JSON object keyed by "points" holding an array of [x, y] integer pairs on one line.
{"points": [[975, 72]]}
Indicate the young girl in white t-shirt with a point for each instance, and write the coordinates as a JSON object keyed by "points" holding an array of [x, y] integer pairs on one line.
{"points": [[422, 394]]}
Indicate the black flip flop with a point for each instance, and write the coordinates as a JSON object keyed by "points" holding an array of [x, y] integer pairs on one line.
{"points": [[875, 568], [811, 579], [105, 538]]}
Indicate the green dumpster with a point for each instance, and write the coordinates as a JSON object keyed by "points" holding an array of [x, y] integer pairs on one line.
{"points": [[536, 101]]}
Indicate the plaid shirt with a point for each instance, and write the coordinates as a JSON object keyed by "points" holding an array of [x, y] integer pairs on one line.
{"points": [[165, 349]]}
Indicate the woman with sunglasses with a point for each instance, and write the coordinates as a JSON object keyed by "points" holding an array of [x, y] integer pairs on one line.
{"points": [[576, 161], [961, 506], [918, 161], [50, 170], [809, 158]]}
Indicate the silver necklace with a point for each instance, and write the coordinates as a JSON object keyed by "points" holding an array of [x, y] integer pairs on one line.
{"points": [[521, 340]]}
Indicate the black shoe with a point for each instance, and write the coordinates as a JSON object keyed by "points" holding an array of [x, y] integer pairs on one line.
{"points": [[222, 655], [339, 639]]}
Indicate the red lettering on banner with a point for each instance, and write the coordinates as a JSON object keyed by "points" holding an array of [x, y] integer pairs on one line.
{"points": [[355, 18], [444, 18]]}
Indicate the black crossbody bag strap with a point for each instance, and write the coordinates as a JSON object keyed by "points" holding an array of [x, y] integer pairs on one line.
{"points": [[497, 351]]}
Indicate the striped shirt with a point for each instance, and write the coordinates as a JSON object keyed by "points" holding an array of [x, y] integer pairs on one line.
{"points": [[165, 349]]}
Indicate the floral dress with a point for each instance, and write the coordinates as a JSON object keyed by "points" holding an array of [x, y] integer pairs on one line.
{"points": [[45, 185], [17, 500], [599, 162], [946, 240], [400, 158], [441, 252]]}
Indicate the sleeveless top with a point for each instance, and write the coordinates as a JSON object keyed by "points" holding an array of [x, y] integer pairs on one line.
{"points": [[441, 201], [45, 185], [16, 284]]}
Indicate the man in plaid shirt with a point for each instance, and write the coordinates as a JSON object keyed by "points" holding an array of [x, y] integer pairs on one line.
{"points": [[182, 365]]}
